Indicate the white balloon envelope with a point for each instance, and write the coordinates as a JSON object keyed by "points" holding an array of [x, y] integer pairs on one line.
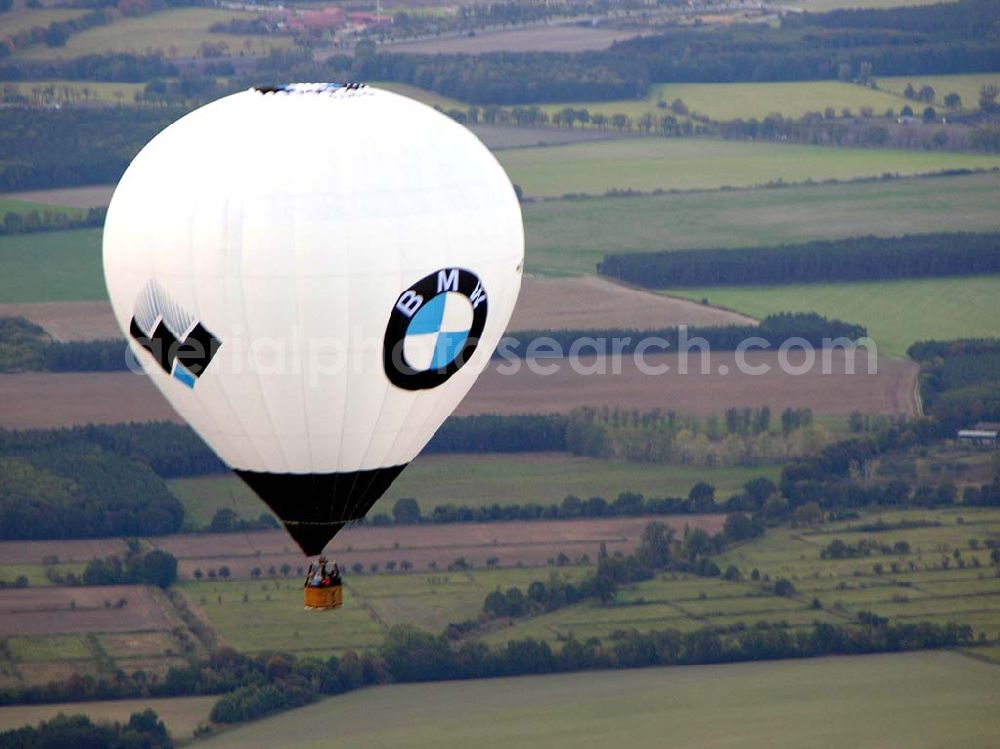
{"points": [[313, 276]]}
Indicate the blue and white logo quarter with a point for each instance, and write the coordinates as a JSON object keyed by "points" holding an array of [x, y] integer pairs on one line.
{"points": [[434, 328]]}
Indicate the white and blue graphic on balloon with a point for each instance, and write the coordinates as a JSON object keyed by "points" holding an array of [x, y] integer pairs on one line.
{"points": [[437, 334]]}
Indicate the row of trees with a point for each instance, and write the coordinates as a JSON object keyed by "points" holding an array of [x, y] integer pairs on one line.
{"points": [[143, 730], [18, 222], [154, 567], [775, 329], [255, 685], [659, 549], [855, 259]]}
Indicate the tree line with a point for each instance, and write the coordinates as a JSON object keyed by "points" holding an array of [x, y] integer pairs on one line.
{"points": [[257, 685], [143, 730], [856, 259], [659, 550], [775, 329], [26, 222]]}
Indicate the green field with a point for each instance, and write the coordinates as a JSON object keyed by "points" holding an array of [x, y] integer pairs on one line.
{"points": [[571, 236], [13, 22], [695, 164], [966, 86], [50, 648], [896, 313], [481, 480], [371, 602], [968, 594], [174, 33], [54, 266], [730, 101], [182, 715], [927, 700], [12, 205], [74, 90]]}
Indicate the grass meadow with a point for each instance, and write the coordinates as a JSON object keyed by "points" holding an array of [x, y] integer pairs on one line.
{"points": [[731, 101], [571, 236], [54, 266], [24, 19], [851, 701], [175, 32], [896, 313], [13, 205], [699, 164], [481, 480]]}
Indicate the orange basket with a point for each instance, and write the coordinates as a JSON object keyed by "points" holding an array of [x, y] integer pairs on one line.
{"points": [[323, 599]]}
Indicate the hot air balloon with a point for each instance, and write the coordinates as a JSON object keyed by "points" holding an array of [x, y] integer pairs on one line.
{"points": [[314, 275]]}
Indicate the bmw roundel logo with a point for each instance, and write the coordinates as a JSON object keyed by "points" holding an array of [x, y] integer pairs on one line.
{"points": [[434, 328]]}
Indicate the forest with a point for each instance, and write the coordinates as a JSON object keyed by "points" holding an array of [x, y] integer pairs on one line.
{"points": [[819, 331], [855, 259], [960, 380]]}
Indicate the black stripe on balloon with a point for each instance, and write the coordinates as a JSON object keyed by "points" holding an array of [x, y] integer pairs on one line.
{"points": [[161, 343], [315, 506], [198, 350], [195, 352]]}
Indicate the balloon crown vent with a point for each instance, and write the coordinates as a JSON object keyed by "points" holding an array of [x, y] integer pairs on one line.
{"points": [[311, 88]]}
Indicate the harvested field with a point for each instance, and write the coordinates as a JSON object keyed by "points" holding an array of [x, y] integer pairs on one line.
{"points": [[592, 302], [512, 543], [89, 196], [182, 715], [69, 321], [44, 611], [44, 400], [891, 391], [41, 400], [544, 304], [76, 550], [536, 39]]}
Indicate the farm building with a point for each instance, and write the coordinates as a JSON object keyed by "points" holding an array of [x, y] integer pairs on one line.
{"points": [[984, 433]]}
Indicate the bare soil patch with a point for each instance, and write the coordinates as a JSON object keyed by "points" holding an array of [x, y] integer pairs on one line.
{"points": [[511, 543], [69, 321], [44, 400], [535, 39], [74, 197], [592, 302], [890, 391], [77, 550], [46, 611]]}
